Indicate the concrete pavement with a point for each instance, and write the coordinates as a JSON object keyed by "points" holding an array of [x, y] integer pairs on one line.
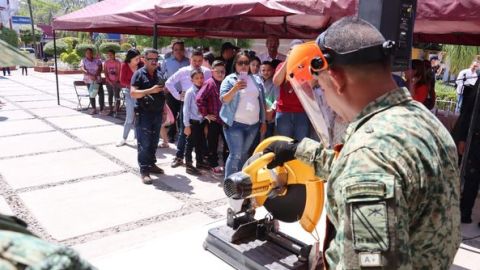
{"points": [[61, 172]]}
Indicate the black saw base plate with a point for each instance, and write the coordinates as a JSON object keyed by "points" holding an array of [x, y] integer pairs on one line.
{"points": [[250, 253]]}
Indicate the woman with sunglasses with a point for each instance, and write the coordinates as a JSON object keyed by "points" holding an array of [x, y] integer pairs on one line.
{"points": [[129, 66], [243, 111]]}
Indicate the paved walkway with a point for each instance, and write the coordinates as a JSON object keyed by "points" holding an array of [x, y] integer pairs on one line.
{"points": [[61, 172]]}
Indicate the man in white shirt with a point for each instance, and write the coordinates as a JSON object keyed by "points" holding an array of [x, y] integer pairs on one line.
{"points": [[272, 53], [172, 64], [177, 85], [466, 77]]}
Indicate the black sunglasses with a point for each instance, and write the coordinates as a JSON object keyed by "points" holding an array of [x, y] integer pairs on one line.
{"points": [[243, 63]]}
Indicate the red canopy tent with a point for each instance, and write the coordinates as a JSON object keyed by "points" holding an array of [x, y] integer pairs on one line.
{"points": [[442, 21]]}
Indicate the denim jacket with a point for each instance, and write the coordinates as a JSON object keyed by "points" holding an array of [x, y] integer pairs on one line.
{"points": [[228, 110]]}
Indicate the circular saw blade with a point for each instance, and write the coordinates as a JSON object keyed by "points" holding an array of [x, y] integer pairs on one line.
{"points": [[289, 207]]}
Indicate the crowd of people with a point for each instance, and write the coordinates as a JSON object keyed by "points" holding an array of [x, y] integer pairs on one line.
{"points": [[201, 103]]}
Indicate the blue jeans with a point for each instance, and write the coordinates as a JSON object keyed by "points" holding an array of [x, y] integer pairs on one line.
{"points": [[292, 125], [147, 126], [182, 138], [239, 138], [270, 130], [130, 112], [459, 103]]}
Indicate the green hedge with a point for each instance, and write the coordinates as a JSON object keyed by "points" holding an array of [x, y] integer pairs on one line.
{"points": [[125, 46], [9, 36], [61, 47], [82, 48], [105, 47], [71, 42], [447, 93], [71, 58]]}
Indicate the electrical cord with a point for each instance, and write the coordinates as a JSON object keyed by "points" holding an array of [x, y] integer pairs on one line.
{"points": [[470, 238]]}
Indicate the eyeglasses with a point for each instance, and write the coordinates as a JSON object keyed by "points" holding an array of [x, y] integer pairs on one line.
{"points": [[243, 63], [219, 71], [152, 60]]}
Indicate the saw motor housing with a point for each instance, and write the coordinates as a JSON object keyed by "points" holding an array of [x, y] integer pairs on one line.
{"points": [[263, 187]]}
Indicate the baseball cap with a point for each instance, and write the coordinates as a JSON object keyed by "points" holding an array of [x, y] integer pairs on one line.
{"points": [[228, 45]]}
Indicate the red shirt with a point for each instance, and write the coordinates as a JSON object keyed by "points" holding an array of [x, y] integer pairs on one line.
{"points": [[287, 100], [208, 99], [421, 93], [126, 74]]}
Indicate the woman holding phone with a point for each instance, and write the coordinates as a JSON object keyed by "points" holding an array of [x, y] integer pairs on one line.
{"points": [[130, 65], [243, 111]]}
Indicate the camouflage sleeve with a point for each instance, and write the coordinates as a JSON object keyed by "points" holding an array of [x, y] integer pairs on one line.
{"points": [[366, 204], [22, 251], [314, 154]]}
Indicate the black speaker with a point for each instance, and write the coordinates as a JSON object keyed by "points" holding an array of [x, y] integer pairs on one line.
{"points": [[395, 20]]}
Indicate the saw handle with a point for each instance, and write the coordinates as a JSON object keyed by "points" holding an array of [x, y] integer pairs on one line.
{"points": [[260, 163]]}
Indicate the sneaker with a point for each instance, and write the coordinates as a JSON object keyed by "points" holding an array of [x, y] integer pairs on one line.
{"points": [[157, 170], [122, 142], [146, 179], [203, 166], [93, 112], [177, 162], [192, 170], [217, 170]]}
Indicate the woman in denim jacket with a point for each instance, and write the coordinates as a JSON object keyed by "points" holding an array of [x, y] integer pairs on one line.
{"points": [[243, 111]]}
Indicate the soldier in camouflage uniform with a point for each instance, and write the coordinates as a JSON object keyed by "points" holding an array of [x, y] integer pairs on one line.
{"points": [[20, 249], [393, 190]]}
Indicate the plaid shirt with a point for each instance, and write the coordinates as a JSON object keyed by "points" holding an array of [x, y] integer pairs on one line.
{"points": [[208, 99]]}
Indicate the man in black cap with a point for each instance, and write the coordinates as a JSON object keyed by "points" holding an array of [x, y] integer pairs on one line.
{"points": [[227, 54]]}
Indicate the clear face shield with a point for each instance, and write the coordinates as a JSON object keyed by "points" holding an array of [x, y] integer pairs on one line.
{"points": [[304, 61]]}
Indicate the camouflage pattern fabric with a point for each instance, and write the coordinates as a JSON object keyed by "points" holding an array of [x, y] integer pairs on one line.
{"points": [[20, 249], [393, 192], [12, 56]]}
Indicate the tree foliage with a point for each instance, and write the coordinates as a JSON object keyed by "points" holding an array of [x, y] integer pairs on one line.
{"points": [[43, 10], [215, 44], [26, 34], [61, 47], [125, 46], [460, 57], [105, 47], [71, 58], [9, 36], [82, 48], [71, 42]]}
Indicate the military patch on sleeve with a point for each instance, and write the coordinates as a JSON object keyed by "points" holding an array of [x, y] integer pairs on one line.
{"points": [[369, 226], [370, 259]]}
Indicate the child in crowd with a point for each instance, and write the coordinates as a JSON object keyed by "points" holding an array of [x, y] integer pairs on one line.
{"points": [[255, 65], [167, 120], [192, 120], [112, 67], [209, 104], [267, 70]]}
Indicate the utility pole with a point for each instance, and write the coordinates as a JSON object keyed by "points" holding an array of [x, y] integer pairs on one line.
{"points": [[9, 17], [33, 26]]}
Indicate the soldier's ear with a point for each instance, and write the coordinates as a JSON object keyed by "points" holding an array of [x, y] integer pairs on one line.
{"points": [[338, 79]]}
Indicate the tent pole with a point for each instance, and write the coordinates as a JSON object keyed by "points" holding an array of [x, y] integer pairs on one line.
{"points": [[155, 37], [56, 68]]}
